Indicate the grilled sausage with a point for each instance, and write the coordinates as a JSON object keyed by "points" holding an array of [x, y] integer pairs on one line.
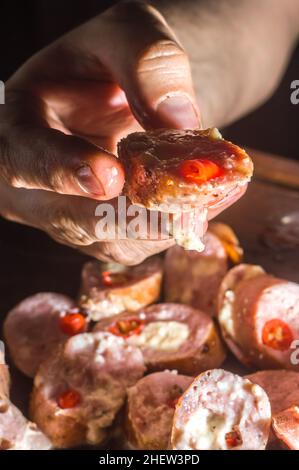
{"points": [[259, 317], [16, 432], [286, 427]]}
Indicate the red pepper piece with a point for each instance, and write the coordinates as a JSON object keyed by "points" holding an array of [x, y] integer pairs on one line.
{"points": [[72, 323], [233, 439], [69, 399], [127, 327]]}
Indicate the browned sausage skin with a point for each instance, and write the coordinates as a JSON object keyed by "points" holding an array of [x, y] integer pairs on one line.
{"points": [[170, 336], [35, 327], [79, 390], [150, 409], [109, 289], [181, 166], [16, 432], [259, 317], [194, 278], [221, 411]]}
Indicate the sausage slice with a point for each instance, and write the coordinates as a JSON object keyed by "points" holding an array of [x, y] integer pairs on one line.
{"points": [[221, 411], [170, 336], [259, 317], [170, 166], [16, 432], [37, 325], [4, 377], [79, 390], [150, 409], [109, 289]]}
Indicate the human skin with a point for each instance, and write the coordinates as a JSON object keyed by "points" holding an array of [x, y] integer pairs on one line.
{"points": [[122, 71]]}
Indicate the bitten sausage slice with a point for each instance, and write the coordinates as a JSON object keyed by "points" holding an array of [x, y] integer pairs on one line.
{"points": [[194, 278], [16, 432], [150, 409], [286, 427], [109, 289], [171, 166], [170, 336], [282, 388], [81, 387], [221, 411], [259, 317], [37, 324]]}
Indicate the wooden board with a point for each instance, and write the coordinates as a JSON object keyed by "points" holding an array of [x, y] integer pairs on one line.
{"points": [[266, 220]]}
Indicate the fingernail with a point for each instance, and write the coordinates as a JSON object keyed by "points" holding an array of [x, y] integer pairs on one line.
{"points": [[178, 112], [88, 182]]}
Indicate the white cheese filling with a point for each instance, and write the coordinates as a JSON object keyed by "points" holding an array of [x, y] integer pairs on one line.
{"points": [[226, 313]]}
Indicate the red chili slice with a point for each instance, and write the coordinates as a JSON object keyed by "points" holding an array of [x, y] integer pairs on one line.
{"points": [[233, 439], [110, 279], [69, 399], [72, 323], [127, 327], [199, 170], [277, 335]]}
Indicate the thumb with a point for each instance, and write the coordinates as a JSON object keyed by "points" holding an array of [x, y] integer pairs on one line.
{"points": [[135, 43], [37, 157]]}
